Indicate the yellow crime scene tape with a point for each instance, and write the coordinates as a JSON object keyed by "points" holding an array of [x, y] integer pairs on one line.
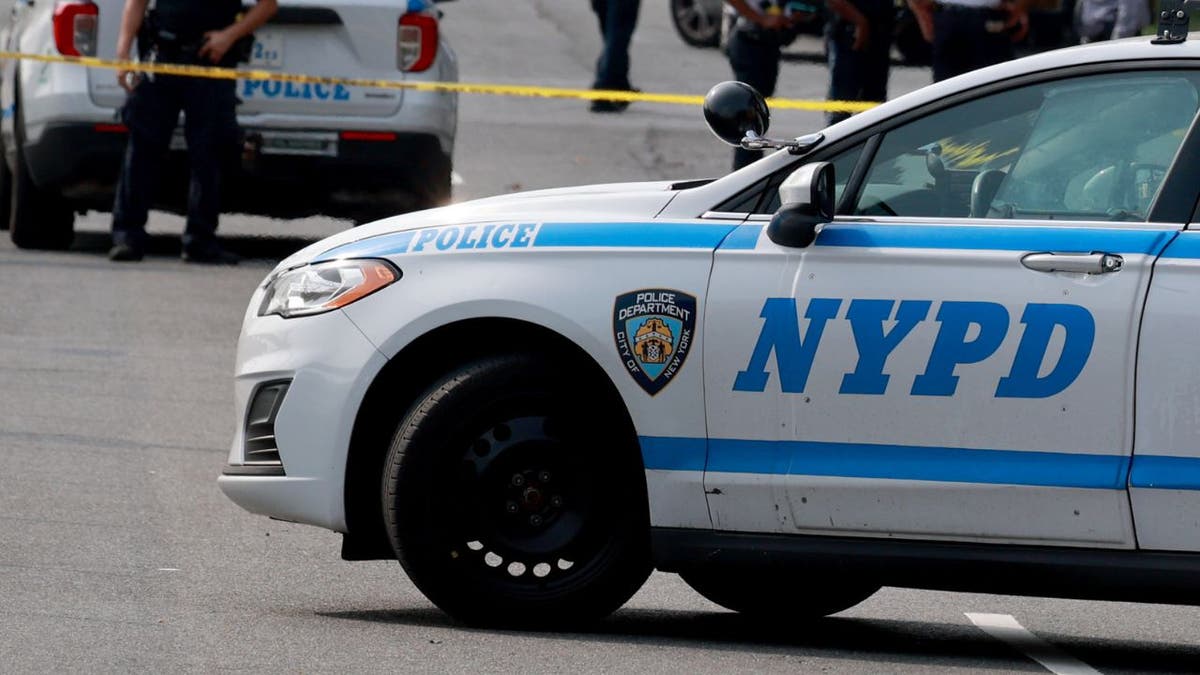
{"points": [[528, 91]]}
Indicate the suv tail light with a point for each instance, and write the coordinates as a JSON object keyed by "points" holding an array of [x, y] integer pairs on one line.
{"points": [[75, 24], [416, 41]]}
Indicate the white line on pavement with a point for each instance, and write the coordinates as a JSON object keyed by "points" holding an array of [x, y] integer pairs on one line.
{"points": [[1005, 628]]}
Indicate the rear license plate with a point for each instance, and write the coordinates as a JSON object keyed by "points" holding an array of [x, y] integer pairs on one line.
{"points": [[318, 144], [268, 51]]}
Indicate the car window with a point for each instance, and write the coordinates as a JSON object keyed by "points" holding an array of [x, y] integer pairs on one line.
{"points": [[843, 166], [1088, 148]]}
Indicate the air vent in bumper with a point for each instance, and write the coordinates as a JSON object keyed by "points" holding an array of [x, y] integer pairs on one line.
{"points": [[260, 449]]}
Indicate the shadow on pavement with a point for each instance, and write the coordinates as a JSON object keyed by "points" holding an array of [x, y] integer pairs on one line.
{"points": [[886, 640], [250, 247]]}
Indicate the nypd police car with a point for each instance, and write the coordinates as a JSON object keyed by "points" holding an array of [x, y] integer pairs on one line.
{"points": [[944, 344], [350, 152]]}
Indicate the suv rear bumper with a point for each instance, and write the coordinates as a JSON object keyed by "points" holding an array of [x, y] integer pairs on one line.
{"points": [[396, 170]]}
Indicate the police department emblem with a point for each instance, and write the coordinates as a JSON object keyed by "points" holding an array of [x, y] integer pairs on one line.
{"points": [[654, 330]]}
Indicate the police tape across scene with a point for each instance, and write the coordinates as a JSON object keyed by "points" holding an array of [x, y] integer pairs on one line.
{"points": [[527, 91]]}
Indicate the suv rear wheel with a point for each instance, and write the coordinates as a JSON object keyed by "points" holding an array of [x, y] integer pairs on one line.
{"points": [[38, 218]]}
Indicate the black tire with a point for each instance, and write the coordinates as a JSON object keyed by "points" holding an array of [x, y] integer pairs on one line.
{"points": [[696, 22], [38, 219], [5, 189], [513, 499], [771, 594]]}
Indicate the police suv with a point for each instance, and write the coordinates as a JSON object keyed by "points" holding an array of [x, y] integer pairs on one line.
{"points": [[355, 152], [943, 344]]}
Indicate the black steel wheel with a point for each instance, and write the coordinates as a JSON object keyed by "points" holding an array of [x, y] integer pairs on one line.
{"points": [[698, 22], [777, 594], [514, 499]]}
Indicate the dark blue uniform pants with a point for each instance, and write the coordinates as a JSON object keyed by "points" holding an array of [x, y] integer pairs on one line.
{"points": [[857, 75], [754, 58], [966, 38], [210, 127], [617, 21]]}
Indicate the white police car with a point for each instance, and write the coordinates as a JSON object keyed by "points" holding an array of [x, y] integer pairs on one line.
{"points": [[354, 152], [978, 375]]}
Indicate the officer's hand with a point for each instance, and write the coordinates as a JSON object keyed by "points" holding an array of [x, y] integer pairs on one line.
{"points": [[1018, 21], [776, 22], [128, 80], [216, 44]]}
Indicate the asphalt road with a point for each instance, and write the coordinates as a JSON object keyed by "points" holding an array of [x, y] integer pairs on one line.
{"points": [[119, 553]]}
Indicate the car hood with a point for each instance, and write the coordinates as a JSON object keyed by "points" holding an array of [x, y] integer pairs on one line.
{"points": [[615, 202]]}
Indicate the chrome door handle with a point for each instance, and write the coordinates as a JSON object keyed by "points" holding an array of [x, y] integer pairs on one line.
{"points": [[1079, 263]]}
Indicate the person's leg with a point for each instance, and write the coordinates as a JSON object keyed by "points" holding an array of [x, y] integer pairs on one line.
{"points": [[844, 75], [600, 7], [993, 44], [947, 55], [877, 64], [211, 128], [151, 113], [757, 64], [622, 20]]}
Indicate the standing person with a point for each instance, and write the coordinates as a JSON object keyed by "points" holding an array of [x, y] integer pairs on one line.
{"points": [[970, 34], [859, 47], [185, 32], [1097, 20], [617, 18], [760, 29]]}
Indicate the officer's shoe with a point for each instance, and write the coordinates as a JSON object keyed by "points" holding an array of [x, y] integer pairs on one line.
{"points": [[210, 256], [124, 253], [607, 106]]}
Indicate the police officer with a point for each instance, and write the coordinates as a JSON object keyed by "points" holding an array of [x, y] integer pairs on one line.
{"points": [[760, 29], [202, 32], [617, 19], [858, 41], [970, 34]]}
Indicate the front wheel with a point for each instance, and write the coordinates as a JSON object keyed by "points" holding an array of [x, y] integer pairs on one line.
{"points": [[771, 594], [515, 497]]}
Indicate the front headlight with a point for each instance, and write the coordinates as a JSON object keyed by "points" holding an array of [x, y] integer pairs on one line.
{"points": [[325, 286]]}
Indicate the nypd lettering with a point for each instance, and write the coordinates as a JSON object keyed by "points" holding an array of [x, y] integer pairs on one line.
{"points": [[654, 330], [294, 90], [968, 333]]}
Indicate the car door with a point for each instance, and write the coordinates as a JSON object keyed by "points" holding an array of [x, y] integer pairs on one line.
{"points": [[954, 357]]}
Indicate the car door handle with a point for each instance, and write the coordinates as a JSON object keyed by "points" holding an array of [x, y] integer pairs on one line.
{"points": [[1079, 263]]}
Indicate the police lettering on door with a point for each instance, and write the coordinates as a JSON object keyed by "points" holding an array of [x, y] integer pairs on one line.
{"points": [[967, 333]]}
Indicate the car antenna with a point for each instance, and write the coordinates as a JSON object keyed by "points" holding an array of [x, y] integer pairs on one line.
{"points": [[1173, 22]]}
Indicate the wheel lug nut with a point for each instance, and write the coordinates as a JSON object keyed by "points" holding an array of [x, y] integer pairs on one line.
{"points": [[518, 480], [556, 501], [535, 520], [511, 507], [544, 476]]}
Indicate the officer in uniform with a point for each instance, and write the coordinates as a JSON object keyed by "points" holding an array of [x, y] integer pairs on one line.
{"points": [[200, 32], [970, 34], [858, 41], [760, 29]]}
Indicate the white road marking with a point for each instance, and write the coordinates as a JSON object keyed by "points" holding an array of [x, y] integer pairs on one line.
{"points": [[456, 178], [1005, 628], [168, 569]]}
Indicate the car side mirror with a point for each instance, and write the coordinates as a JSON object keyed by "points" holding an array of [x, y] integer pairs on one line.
{"points": [[807, 198], [738, 115], [734, 110]]}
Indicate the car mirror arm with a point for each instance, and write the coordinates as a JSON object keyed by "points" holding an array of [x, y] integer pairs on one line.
{"points": [[796, 146]]}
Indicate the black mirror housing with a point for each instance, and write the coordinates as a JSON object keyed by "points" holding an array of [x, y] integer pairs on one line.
{"points": [[808, 199], [733, 109]]}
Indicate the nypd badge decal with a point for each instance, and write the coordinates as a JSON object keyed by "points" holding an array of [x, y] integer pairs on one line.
{"points": [[654, 331]]}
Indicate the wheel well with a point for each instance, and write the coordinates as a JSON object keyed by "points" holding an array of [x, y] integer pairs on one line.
{"points": [[412, 372]]}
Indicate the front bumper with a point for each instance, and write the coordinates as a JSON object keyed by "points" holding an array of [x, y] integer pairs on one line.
{"points": [[330, 365]]}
